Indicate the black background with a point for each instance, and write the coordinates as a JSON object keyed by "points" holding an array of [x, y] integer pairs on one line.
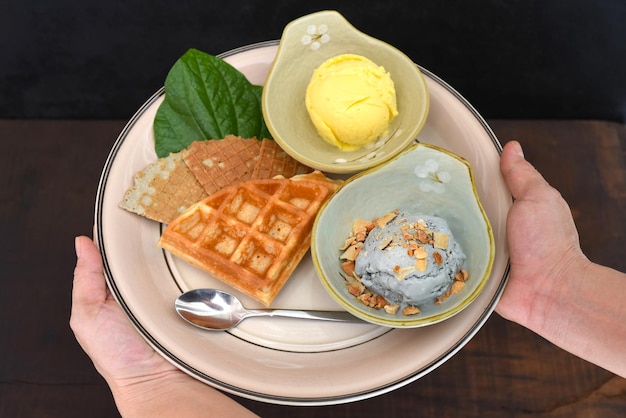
{"points": [[509, 58]]}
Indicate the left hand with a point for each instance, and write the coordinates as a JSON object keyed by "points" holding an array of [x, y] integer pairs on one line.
{"points": [[119, 353]]}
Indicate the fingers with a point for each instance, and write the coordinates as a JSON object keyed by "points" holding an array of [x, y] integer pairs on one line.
{"points": [[519, 175], [89, 288]]}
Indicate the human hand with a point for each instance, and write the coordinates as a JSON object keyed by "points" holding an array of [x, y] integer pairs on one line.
{"points": [[117, 350], [143, 383], [542, 238]]}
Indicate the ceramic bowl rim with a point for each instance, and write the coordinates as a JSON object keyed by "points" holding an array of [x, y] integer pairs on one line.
{"points": [[352, 167], [405, 322]]}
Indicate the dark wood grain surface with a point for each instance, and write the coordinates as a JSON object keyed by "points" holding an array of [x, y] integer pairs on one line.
{"points": [[49, 171]]}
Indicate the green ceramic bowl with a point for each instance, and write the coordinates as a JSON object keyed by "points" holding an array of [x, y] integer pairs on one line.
{"points": [[305, 44], [423, 179]]}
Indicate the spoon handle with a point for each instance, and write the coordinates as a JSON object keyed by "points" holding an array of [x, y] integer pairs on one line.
{"points": [[337, 316]]}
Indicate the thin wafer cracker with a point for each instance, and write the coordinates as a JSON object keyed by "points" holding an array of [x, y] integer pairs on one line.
{"points": [[218, 163], [274, 161], [163, 190]]}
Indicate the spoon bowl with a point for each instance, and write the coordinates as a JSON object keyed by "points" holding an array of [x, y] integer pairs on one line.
{"points": [[217, 310]]}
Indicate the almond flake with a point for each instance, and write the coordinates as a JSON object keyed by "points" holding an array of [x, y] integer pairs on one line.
{"points": [[441, 240], [403, 272], [456, 287], [420, 253], [391, 309], [346, 244], [385, 243], [348, 267], [385, 219], [420, 264], [410, 310], [423, 236], [352, 252]]}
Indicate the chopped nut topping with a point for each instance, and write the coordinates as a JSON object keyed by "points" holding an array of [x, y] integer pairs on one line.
{"points": [[356, 288], [391, 309], [361, 225], [385, 243], [384, 220], [440, 240], [403, 272], [410, 237], [379, 302], [348, 267], [365, 298], [360, 236], [456, 287], [421, 254], [423, 236], [350, 241], [420, 264], [410, 310], [462, 275], [352, 252]]}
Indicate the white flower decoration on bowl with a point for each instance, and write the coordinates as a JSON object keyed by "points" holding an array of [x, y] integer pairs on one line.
{"points": [[315, 36], [434, 180]]}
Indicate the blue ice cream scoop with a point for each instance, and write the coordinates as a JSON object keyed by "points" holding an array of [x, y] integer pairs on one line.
{"points": [[412, 260]]}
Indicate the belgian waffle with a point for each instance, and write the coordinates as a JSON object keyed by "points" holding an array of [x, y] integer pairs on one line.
{"points": [[163, 190], [250, 235]]}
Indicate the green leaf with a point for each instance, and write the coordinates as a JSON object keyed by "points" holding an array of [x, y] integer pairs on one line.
{"points": [[206, 98], [265, 133]]}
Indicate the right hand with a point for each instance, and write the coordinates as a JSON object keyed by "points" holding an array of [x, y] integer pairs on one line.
{"points": [[542, 238]]}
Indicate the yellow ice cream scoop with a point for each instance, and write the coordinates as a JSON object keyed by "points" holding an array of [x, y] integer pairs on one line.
{"points": [[351, 101]]}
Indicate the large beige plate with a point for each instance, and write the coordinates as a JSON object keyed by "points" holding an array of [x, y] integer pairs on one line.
{"points": [[283, 361]]}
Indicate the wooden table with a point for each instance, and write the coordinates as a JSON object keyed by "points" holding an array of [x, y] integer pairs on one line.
{"points": [[49, 172]]}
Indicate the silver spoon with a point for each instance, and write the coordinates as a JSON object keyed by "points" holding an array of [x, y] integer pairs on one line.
{"points": [[218, 310]]}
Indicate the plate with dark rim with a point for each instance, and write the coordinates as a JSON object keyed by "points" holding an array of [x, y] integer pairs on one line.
{"points": [[287, 361]]}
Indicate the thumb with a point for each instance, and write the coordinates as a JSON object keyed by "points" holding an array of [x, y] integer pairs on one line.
{"points": [[89, 287], [520, 176]]}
